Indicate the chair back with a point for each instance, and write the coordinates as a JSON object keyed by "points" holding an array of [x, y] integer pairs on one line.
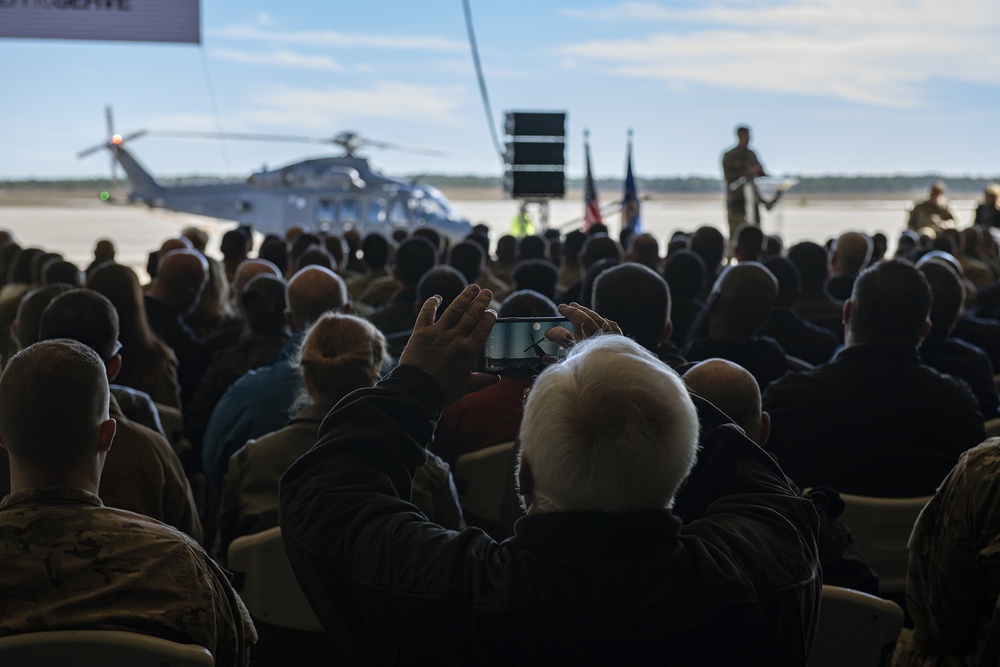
{"points": [[881, 528], [484, 479], [855, 629], [992, 427], [99, 648], [267, 584]]}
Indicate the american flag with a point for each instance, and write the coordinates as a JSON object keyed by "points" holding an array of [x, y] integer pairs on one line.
{"points": [[592, 208]]}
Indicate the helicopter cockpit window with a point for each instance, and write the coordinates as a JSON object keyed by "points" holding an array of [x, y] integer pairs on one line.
{"points": [[398, 215], [349, 211], [376, 211], [325, 213]]}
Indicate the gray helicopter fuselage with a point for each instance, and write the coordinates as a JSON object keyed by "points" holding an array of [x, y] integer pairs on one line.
{"points": [[323, 194]]}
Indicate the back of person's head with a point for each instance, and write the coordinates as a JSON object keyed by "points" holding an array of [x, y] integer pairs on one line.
{"points": [[414, 258], [732, 389], [62, 271], [233, 245], [789, 283], [340, 353], [638, 299], [483, 241], [249, 269], [851, 253], [880, 244], [29, 311], [275, 250], [334, 246], [684, 272], [264, 304], [506, 249], [597, 228], [709, 244], [375, 251], [62, 373], [610, 429], [432, 237], [38, 264], [590, 277], [470, 260], [811, 261], [572, 246], [748, 246], [314, 255], [301, 243], [644, 249], [528, 303], [445, 281], [20, 267], [773, 246], [947, 296], [741, 301], [538, 275], [598, 247], [313, 291], [891, 303], [180, 277], [197, 237], [85, 316], [531, 247]]}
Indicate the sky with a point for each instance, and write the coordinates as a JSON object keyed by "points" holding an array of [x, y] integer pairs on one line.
{"points": [[828, 86]]}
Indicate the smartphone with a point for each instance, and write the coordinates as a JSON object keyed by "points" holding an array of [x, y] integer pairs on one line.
{"points": [[520, 342]]}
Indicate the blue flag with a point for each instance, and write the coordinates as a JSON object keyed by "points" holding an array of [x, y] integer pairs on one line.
{"points": [[630, 200]]}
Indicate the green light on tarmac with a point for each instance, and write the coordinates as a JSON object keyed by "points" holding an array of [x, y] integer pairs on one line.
{"points": [[105, 196]]}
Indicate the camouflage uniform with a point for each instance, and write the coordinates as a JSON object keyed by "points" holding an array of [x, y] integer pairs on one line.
{"points": [[141, 474], [69, 563], [930, 214], [250, 493], [738, 163], [954, 574]]}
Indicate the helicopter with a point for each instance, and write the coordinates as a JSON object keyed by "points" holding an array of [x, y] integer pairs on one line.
{"points": [[326, 194]]}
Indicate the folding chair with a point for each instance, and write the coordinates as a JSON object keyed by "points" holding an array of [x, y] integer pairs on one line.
{"points": [[881, 528], [267, 584], [99, 648], [855, 629]]}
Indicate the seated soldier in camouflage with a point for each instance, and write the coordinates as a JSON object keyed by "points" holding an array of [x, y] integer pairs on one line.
{"points": [[67, 562]]}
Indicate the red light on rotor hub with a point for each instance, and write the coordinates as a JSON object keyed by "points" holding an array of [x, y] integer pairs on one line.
{"points": [[116, 139]]}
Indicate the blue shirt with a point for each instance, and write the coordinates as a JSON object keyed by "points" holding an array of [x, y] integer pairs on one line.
{"points": [[258, 403]]}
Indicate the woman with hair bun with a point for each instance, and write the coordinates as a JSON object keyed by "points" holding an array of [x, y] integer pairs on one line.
{"points": [[340, 353]]}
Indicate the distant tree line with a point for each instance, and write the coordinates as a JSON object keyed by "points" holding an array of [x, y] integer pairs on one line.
{"points": [[808, 185]]}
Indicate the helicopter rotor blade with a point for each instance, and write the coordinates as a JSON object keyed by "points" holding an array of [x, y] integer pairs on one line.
{"points": [[403, 148], [347, 140], [184, 134], [89, 151]]}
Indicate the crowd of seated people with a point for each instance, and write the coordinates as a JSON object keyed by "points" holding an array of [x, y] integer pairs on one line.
{"points": [[872, 376]]}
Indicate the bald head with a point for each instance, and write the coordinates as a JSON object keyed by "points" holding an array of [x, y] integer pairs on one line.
{"points": [[180, 277], [732, 389], [741, 301], [313, 291], [851, 254], [251, 268], [644, 249]]}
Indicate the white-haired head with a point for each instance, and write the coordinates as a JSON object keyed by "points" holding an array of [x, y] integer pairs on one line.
{"points": [[610, 429]]}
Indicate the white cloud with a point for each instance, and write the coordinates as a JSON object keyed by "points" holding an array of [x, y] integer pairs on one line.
{"points": [[330, 38], [878, 53], [324, 109], [288, 59]]}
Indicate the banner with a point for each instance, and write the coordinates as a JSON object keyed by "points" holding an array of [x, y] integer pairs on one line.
{"points": [[118, 20]]}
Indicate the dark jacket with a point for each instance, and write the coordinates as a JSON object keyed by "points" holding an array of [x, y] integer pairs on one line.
{"points": [[873, 421], [737, 585]]}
